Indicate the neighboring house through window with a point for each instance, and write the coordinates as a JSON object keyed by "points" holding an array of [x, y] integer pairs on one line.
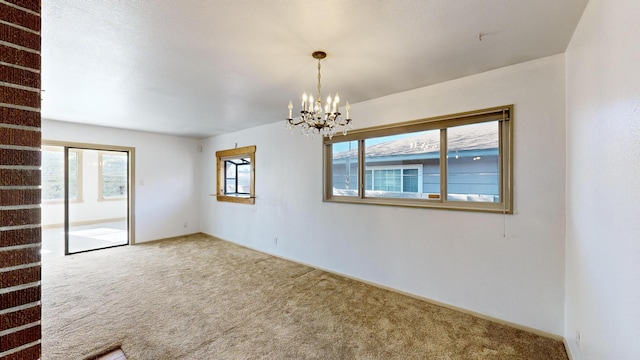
{"points": [[461, 161]]}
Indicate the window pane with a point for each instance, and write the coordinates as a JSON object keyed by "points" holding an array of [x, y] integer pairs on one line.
{"points": [[73, 175], [345, 168], [53, 174], [237, 176], [387, 180], [114, 175], [230, 169], [230, 177], [244, 179], [410, 180], [473, 170], [403, 166]]}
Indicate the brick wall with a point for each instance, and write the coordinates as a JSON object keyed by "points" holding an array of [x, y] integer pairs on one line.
{"points": [[20, 139]]}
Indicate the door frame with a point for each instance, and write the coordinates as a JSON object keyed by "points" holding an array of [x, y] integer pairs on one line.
{"points": [[130, 189]]}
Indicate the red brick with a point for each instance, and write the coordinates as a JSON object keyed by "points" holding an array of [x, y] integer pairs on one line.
{"points": [[19, 217], [19, 338], [20, 317], [19, 17], [13, 177], [20, 237], [20, 297], [19, 157], [19, 57], [19, 37], [13, 197], [20, 137], [31, 353], [19, 117], [21, 77], [9, 95], [19, 257], [33, 5], [20, 277]]}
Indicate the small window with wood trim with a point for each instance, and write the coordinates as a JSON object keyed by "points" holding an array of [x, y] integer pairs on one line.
{"points": [[236, 175]]}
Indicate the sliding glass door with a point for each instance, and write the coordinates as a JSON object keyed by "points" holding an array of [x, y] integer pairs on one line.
{"points": [[86, 198]]}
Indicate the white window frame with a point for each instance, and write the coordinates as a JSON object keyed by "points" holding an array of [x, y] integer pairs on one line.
{"points": [[503, 115], [403, 167]]}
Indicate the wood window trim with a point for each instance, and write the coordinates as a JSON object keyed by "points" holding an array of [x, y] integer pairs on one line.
{"points": [[242, 152], [504, 114]]}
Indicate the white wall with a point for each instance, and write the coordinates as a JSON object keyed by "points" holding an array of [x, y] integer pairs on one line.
{"points": [[603, 177], [459, 258], [167, 171]]}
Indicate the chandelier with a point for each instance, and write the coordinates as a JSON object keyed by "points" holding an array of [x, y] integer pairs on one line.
{"points": [[314, 119]]}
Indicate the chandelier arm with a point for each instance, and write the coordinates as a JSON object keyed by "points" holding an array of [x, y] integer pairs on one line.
{"points": [[296, 123]]}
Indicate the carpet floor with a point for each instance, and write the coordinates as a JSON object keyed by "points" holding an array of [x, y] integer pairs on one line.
{"points": [[197, 297]]}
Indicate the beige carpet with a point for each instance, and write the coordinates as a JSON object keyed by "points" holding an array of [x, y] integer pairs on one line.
{"points": [[201, 298]]}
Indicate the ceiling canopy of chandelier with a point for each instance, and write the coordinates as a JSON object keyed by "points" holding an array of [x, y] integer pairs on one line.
{"points": [[314, 119]]}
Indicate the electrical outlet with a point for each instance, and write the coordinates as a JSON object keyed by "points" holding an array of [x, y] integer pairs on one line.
{"points": [[578, 337], [185, 224], [275, 240]]}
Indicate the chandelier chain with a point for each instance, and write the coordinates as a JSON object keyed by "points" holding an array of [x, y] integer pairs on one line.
{"points": [[319, 96]]}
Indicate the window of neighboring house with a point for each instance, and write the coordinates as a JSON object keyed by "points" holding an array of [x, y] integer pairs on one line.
{"points": [[113, 175], [461, 162], [393, 180], [52, 174], [236, 175]]}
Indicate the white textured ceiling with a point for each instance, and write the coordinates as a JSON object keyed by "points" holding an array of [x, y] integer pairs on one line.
{"points": [[206, 67]]}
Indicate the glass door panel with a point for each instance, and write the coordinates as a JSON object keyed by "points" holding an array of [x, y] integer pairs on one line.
{"points": [[100, 219]]}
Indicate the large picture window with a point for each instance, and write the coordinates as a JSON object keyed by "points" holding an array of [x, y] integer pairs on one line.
{"points": [[461, 162]]}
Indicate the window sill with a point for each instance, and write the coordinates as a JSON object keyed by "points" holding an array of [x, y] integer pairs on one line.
{"points": [[236, 199], [426, 204], [113, 199]]}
